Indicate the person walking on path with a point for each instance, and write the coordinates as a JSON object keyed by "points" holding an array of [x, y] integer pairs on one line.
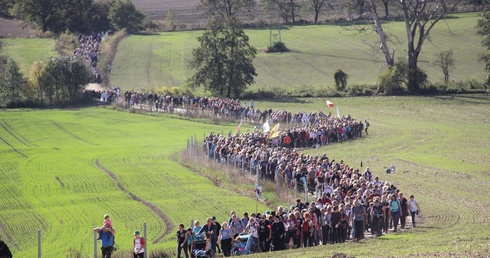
{"points": [[414, 208], [107, 240], [395, 209], [138, 245], [182, 241]]}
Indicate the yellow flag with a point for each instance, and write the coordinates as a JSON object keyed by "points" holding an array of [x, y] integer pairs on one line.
{"points": [[274, 131]]}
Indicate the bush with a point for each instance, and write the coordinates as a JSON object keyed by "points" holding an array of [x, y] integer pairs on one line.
{"points": [[277, 46], [108, 53], [361, 90], [66, 44], [340, 80]]}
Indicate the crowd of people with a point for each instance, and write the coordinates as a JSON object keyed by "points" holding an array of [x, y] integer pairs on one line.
{"points": [[278, 157], [225, 108], [88, 48], [363, 206]]}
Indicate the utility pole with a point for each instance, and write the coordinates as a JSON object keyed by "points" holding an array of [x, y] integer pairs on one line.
{"points": [[274, 23]]}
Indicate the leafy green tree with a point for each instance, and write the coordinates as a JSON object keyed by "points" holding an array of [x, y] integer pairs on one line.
{"points": [[483, 27], [77, 12], [48, 15], [224, 59], [123, 14], [5, 7], [62, 79], [227, 8], [340, 80], [13, 83], [34, 92], [97, 16]]}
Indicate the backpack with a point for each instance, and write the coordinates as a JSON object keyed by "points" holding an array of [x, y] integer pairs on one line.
{"points": [[306, 226], [239, 222]]}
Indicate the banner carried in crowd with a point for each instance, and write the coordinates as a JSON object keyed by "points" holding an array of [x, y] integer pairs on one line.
{"points": [[266, 126], [275, 131]]}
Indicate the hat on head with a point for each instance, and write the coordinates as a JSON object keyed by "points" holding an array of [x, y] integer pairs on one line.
{"points": [[136, 232]]}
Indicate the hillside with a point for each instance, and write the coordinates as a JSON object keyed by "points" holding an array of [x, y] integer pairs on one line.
{"points": [[26, 51], [152, 61], [61, 170]]}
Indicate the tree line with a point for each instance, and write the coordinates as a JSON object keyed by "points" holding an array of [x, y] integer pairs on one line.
{"points": [[223, 62], [420, 18], [58, 81], [76, 16]]}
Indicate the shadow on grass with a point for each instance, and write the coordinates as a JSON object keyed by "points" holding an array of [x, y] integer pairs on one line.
{"points": [[144, 33], [283, 100]]}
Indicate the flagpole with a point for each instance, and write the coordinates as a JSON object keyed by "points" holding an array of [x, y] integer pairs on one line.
{"points": [[257, 206]]}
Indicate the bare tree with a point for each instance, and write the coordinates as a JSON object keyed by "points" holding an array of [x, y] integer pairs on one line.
{"points": [[445, 61], [371, 6], [317, 6], [227, 8], [287, 9], [385, 4], [420, 17]]}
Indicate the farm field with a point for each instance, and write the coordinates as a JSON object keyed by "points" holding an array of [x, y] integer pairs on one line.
{"points": [[153, 61], [56, 176], [26, 51], [61, 170]]}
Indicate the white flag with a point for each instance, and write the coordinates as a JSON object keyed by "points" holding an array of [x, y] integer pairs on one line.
{"points": [[266, 126]]}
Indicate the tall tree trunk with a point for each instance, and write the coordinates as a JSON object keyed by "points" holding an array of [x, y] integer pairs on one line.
{"points": [[413, 80], [385, 3], [292, 13], [381, 34], [317, 11]]}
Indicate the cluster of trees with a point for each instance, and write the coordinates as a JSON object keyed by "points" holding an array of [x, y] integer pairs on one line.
{"points": [[286, 9], [82, 16], [56, 82], [420, 18]]}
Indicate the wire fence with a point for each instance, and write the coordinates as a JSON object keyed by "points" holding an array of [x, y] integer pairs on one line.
{"points": [[249, 170]]}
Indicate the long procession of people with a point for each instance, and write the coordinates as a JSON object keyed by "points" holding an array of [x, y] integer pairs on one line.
{"points": [[327, 221]]}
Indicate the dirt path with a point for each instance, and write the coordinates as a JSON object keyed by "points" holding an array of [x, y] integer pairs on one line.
{"points": [[168, 224]]}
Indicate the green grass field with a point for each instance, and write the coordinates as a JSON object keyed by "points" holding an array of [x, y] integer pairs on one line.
{"points": [[53, 178], [56, 165], [153, 61], [26, 51]]}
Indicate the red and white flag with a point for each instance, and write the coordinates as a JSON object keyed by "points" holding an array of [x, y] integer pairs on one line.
{"points": [[238, 128], [329, 104]]}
